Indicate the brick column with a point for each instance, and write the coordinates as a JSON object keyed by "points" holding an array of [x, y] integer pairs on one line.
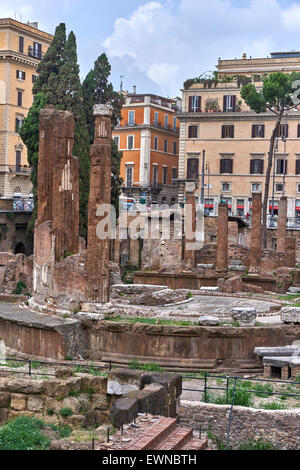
{"points": [[290, 252], [190, 228], [97, 260], [281, 228], [255, 249], [222, 240], [58, 180]]}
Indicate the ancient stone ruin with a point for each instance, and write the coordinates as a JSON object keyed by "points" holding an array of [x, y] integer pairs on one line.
{"points": [[64, 274]]}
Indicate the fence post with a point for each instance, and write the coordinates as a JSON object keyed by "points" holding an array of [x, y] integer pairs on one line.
{"points": [[230, 415], [227, 389], [29, 364], [110, 367], [205, 387]]}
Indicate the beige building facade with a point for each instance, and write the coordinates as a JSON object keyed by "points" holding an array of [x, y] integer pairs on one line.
{"points": [[236, 140], [22, 47]]}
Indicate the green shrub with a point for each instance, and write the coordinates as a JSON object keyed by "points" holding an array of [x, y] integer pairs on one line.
{"points": [[149, 366], [66, 412], [257, 445], [50, 412], [273, 405], [23, 433], [21, 288], [262, 390]]}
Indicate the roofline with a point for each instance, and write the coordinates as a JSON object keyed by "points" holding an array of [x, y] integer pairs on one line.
{"points": [[12, 22]]}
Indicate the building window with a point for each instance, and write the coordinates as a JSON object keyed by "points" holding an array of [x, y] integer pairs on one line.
{"points": [[298, 131], [225, 187], [298, 187], [131, 121], [165, 175], [21, 75], [130, 142], [155, 143], [256, 187], [175, 148], [258, 130], [166, 121], [117, 140], [34, 78], [279, 187], [174, 124], [229, 103], [283, 131], [281, 166], [37, 50], [18, 160], [155, 118], [209, 206], [227, 131], [193, 132], [195, 104], [165, 145], [20, 98], [228, 200], [21, 44], [193, 169], [298, 167], [226, 165], [155, 173], [240, 207], [129, 176], [256, 167], [174, 176], [19, 123]]}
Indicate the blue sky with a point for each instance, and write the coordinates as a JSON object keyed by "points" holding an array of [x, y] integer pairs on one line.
{"points": [[158, 44]]}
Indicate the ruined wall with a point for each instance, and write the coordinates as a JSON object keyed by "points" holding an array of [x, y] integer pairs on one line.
{"points": [[279, 427]]}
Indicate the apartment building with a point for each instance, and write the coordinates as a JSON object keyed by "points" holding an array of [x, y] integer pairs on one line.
{"points": [[236, 140], [148, 136], [22, 46]]}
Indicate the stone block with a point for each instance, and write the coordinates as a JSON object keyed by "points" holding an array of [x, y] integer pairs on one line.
{"points": [[95, 418], [171, 381], [124, 411], [90, 382], [18, 402], [35, 403], [246, 316], [72, 403], [157, 399], [4, 399], [208, 321], [100, 402], [3, 415], [27, 386], [121, 381], [290, 314], [64, 372], [76, 421], [56, 388]]}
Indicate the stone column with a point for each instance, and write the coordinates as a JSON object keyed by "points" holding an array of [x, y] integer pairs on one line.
{"points": [[255, 249], [222, 239], [290, 252], [97, 260], [281, 228], [190, 228], [58, 180]]}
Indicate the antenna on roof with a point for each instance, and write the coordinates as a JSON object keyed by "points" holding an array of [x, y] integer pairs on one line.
{"points": [[121, 84]]}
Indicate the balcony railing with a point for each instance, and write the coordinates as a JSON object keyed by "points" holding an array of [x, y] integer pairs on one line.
{"points": [[25, 170]]}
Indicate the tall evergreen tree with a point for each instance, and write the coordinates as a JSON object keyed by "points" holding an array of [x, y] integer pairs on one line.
{"points": [[96, 89], [69, 97], [48, 68], [29, 133]]}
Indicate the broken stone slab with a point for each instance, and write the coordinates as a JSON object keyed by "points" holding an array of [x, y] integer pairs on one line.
{"points": [[283, 351], [209, 289], [91, 316], [294, 290], [236, 262], [124, 411], [290, 314], [208, 321], [244, 315], [96, 308], [205, 266], [292, 361], [237, 268], [122, 381]]}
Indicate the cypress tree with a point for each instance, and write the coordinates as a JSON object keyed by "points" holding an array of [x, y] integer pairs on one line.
{"points": [[69, 97], [29, 133], [97, 90]]}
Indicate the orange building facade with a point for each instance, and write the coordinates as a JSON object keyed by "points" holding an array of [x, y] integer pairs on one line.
{"points": [[148, 136]]}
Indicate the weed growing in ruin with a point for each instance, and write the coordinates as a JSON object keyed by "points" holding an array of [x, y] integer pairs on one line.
{"points": [[66, 412], [262, 390], [274, 405], [148, 367], [257, 445], [50, 412]]}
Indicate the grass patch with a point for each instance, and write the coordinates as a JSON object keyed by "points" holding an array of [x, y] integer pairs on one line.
{"points": [[273, 405], [24, 433], [262, 390], [257, 445], [66, 412], [148, 367], [151, 321]]}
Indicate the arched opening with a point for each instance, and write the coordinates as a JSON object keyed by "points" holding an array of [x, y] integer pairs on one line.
{"points": [[20, 248]]}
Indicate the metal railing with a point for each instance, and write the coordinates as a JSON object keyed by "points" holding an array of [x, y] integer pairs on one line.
{"points": [[9, 364], [231, 391]]}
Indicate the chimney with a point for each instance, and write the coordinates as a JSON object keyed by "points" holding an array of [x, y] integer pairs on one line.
{"points": [[134, 89], [244, 56]]}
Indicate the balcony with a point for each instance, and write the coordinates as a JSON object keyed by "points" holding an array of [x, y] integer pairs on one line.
{"points": [[20, 170], [37, 54]]}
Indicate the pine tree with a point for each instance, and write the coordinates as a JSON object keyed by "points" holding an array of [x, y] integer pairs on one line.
{"points": [[97, 90], [29, 133], [69, 97], [48, 68]]}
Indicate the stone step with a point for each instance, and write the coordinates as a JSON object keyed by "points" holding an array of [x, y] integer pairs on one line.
{"points": [[195, 444], [175, 440], [150, 438]]}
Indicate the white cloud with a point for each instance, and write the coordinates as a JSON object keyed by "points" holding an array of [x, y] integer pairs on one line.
{"points": [[171, 43]]}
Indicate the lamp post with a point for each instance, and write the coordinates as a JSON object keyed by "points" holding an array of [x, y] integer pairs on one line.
{"points": [[203, 178]]}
